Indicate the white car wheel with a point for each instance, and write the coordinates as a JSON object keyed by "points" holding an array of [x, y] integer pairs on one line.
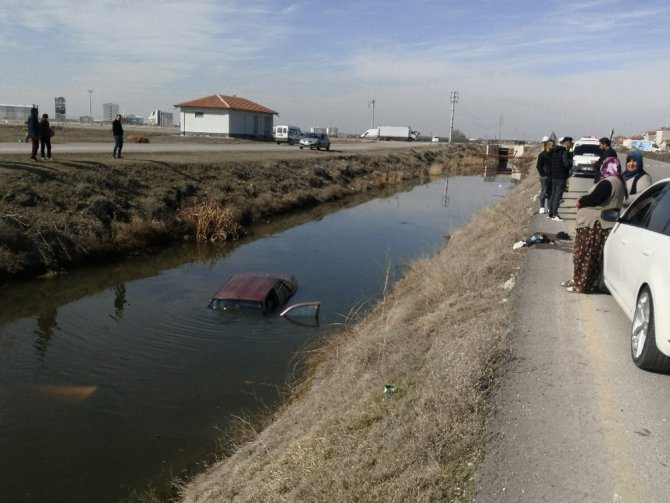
{"points": [[643, 336]]}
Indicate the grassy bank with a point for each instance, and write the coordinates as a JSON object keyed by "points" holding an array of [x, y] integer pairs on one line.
{"points": [[84, 208], [437, 338]]}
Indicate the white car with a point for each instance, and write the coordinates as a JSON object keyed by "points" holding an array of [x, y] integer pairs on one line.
{"points": [[637, 273]]}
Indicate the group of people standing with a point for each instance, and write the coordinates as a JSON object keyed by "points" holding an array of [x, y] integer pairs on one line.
{"points": [[553, 165], [612, 188], [39, 134]]}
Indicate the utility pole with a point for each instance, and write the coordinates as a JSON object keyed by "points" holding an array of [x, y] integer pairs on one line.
{"points": [[90, 118], [371, 103], [453, 99]]}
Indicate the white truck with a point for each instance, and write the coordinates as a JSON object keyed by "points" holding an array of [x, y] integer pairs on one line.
{"points": [[405, 133]]}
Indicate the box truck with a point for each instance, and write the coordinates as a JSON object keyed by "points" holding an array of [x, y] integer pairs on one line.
{"points": [[404, 133]]}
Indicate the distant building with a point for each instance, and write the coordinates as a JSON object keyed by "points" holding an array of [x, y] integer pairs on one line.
{"points": [[330, 131], [160, 118], [15, 112], [109, 111], [225, 116], [134, 120], [59, 106]]}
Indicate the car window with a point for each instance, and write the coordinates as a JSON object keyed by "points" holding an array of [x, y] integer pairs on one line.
{"points": [[659, 218], [638, 212], [283, 292], [586, 149]]}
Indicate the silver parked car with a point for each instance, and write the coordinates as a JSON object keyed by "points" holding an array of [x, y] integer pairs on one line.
{"points": [[315, 140], [637, 273]]}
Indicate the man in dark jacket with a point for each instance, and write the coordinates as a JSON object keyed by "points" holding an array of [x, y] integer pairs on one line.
{"points": [[606, 151], [560, 172], [543, 167], [33, 132], [117, 132]]}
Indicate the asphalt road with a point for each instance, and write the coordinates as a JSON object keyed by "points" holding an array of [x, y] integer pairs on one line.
{"points": [[74, 148], [574, 420]]}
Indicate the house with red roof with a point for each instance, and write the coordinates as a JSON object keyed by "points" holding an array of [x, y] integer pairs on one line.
{"points": [[222, 115]]}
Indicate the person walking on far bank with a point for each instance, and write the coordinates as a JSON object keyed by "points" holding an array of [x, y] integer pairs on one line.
{"points": [[45, 137], [560, 172], [33, 132], [543, 167], [591, 230], [636, 178], [117, 131]]}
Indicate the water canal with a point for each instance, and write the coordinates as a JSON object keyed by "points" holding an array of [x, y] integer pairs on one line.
{"points": [[113, 379]]}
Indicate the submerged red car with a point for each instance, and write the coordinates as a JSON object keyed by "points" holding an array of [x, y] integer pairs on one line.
{"points": [[257, 291]]}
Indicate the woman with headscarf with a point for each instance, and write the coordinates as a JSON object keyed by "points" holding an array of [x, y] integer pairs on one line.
{"points": [[590, 230], [635, 177]]}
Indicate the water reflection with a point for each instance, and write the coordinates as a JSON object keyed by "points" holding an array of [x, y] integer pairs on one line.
{"points": [[136, 378], [119, 300], [46, 324]]}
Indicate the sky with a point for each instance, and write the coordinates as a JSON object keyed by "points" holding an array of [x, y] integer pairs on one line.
{"points": [[522, 69]]}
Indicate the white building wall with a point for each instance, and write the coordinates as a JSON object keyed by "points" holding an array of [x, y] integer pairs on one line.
{"points": [[661, 136], [225, 122], [204, 122]]}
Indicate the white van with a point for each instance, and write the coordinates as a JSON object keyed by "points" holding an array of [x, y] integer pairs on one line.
{"points": [[286, 134]]}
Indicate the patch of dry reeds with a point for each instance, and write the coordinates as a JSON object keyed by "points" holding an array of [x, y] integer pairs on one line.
{"points": [[437, 338], [209, 221]]}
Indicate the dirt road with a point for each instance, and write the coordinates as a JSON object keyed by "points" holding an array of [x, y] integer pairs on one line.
{"points": [[140, 148], [574, 419]]}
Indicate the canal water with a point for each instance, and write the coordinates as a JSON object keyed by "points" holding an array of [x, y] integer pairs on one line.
{"points": [[114, 379]]}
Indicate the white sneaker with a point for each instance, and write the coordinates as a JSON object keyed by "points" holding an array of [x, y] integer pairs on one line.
{"points": [[557, 219], [541, 211]]}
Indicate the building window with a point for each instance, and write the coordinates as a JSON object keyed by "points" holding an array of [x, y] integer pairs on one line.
{"points": [[199, 115]]}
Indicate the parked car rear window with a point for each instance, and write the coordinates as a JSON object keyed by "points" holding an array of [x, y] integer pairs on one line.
{"points": [[638, 212], [659, 219], [587, 149]]}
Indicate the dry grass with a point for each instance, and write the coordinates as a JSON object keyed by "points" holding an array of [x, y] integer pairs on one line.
{"points": [[437, 338], [209, 221]]}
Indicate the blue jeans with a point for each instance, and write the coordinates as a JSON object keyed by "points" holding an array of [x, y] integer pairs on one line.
{"points": [[118, 145], [557, 188]]}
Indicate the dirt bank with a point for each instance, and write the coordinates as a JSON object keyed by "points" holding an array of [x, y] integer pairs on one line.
{"points": [[85, 208], [436, 339]]}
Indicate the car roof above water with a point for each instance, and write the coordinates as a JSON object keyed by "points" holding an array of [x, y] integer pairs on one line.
{"points": [[253, 286]]}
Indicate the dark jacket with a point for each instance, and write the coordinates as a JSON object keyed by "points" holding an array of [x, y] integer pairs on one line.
{"points": [[44, 129], [560, 163], [117, 128], [33, 125], [543, 165]]}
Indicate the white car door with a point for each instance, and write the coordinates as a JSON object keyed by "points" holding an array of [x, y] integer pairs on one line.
{"points": [[629, 250]]}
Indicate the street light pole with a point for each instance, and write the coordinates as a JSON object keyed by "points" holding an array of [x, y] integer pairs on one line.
{"points": [[90, 118], [372, 103]]}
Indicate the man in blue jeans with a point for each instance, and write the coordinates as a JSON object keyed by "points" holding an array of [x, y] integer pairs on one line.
{"points": [[560, 172], [117, 132]]}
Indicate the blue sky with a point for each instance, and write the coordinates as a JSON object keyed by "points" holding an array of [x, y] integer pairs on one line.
{"points": [[521, 68]]}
